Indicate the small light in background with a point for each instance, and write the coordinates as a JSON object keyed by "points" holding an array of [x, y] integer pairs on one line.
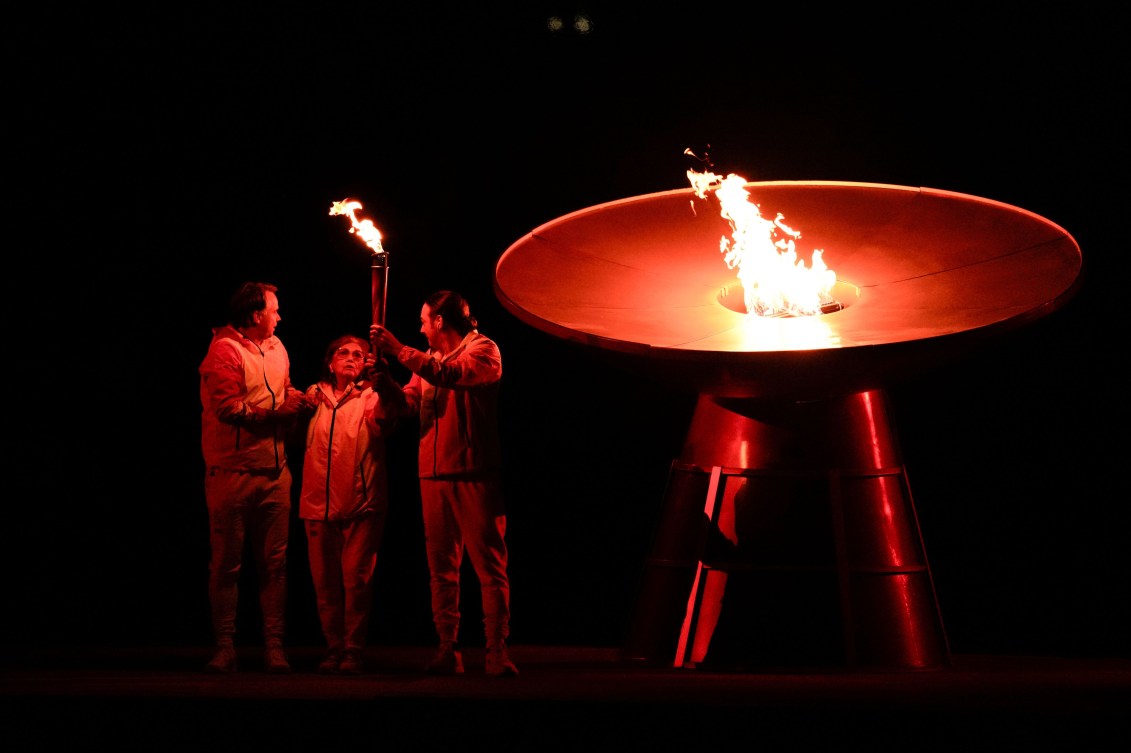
{"points": [[582, 24]]}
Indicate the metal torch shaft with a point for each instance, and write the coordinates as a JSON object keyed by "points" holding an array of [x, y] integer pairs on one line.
{"points": [[380, 272]]}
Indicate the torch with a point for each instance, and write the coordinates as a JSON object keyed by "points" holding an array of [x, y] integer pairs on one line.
{"points": [[379, 269], [379, 266]]}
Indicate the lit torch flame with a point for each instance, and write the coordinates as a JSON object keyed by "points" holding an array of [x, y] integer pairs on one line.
{"points": [[364, 229], [379, 267], [774, 280]]}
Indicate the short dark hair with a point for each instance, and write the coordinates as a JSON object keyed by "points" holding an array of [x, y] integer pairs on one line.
{"points": [[454, 309], [248, 299]]}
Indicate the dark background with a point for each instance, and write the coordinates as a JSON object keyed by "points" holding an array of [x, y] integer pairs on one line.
{"points": [[168, 155]]}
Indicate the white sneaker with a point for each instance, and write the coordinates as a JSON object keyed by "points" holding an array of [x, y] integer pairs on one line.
{"points": [[499, 662], [446, 661], [330, 663], [275, 659], [351, 662], [223, 662]]}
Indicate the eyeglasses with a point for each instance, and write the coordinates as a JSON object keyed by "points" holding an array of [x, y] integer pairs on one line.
{"points": [[356, 355]]}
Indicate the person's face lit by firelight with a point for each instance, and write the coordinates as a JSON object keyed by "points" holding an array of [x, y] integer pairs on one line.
{"points": [[430, 327], [347, 362], [265, 321]]}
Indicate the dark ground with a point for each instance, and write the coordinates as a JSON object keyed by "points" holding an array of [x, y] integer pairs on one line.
{"points": [[564, 699]]}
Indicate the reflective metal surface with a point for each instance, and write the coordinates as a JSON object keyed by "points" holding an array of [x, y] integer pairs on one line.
{"points": [[806, 553], [922, 274], [788, 536]]}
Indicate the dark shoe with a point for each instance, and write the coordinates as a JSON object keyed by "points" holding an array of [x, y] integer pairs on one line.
{"points": [[351, 662], [499, 662], [447, 660], [223, 662], [331, 664], [275, 659]]}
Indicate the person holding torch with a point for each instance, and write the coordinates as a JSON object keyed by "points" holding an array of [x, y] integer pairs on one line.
{"points": [[454, 390]]}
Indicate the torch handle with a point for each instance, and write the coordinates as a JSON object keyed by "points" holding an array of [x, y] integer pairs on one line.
{"points": [[380, 273]]}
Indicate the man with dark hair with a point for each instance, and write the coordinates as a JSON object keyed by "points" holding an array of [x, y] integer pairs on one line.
{"points": [[249, 406], [454, 390]]}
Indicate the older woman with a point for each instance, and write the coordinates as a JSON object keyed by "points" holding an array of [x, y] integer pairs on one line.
{"points": [[344, 494]]}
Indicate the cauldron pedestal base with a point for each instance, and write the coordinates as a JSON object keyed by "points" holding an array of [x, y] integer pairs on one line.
{"points": [[788, 539]]}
